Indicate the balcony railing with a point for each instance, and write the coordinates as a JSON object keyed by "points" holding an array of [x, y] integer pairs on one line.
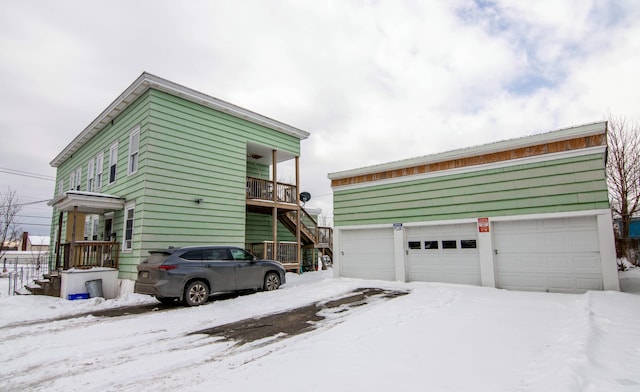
{"points": [[325, 237], [260, 189], [87, 254], [287, 251]]}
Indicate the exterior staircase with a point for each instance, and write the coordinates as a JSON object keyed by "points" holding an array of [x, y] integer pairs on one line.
{"points": [[312, 236]]}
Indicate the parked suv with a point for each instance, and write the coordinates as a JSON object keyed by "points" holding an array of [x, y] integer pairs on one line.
{"points": [[192, 274]]}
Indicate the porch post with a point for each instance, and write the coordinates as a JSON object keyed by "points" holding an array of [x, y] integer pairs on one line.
{"points": [[299, 212], [274, 185], [58, 239], [72, 257]]}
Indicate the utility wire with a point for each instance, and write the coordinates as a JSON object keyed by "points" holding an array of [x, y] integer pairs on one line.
{"points": [[26, 174]]}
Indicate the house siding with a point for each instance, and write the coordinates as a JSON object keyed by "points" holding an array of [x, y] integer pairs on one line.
{"points": [[560, 185]]}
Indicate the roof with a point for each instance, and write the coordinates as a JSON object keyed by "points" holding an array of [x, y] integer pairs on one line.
{"points": [[148, 81], [586, 130], [39, 240]]}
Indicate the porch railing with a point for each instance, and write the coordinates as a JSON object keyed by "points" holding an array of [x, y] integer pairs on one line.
{"points": [[260, 189], [87, 254], [287, 251], [325, 237]]}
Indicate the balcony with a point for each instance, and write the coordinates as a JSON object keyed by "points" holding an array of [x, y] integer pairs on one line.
{"points": [[87, 254], [260, 194]]}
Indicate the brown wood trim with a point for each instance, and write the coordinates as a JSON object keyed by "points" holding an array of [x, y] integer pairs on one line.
{"points": [[541, 149]]}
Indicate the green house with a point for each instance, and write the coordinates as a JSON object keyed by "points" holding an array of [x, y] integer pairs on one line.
{"points": [[165, 165]]}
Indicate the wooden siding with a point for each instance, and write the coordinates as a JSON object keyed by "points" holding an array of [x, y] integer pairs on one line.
{"points": [[569, 184], [525, 152], [186, 152]]}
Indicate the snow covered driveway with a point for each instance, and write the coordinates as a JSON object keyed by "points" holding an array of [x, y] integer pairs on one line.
{"points": [[438, 337]]}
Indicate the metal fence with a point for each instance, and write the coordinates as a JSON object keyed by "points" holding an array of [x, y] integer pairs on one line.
{"points": [[23, 273]]}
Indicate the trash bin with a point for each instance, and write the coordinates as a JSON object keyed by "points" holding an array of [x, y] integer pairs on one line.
{"points": [[94, 287]]}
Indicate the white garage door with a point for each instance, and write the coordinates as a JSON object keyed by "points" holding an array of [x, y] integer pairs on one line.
{"points": [[560, 255], [447, 253], [367, 254]]}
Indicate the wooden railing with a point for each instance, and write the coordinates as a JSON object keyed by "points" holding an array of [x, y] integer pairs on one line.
{"points": [[260, 189], [325, 237], [87, 254], [287, 251]]}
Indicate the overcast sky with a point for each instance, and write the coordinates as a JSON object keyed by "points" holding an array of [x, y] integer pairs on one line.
{"points": [[372, 81]]}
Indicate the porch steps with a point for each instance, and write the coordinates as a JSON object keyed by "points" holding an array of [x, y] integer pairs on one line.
{"points": [[49, 285]]}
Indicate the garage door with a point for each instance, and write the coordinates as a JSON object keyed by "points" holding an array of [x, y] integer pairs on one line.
{"points": [[447, 253], [367, 254], [559, 255]]}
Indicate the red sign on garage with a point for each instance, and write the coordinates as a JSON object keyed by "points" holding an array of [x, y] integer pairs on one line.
{"points": [[483, 225]]}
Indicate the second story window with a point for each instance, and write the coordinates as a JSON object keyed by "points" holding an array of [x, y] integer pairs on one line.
{"points": [[90, 171], [113, 162], [99, 166], [134, 146], [72, 181], [61, 187], [78, 178]]}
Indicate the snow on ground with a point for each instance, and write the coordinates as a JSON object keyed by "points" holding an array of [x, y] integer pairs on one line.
{"points": [[440, 337]]}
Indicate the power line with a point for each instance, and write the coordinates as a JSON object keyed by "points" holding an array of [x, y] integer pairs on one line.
{"points": [[26, 174]]}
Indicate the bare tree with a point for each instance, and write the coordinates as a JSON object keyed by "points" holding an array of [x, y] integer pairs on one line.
{"points": [[623, 176], [10, 207]]}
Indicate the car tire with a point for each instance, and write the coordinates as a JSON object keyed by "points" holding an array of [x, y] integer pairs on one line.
{"points": [[271, 281], [196, 293], [166, 300]]}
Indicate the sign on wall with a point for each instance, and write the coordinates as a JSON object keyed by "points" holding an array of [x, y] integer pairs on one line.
{"points": [[483, 225]]}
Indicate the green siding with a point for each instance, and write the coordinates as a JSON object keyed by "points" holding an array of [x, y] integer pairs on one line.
{"points": [[187, 151], [571, 184], [260, 228]]}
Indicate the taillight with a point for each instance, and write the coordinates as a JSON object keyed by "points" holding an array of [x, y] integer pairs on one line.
{"points": [[167, 267]]}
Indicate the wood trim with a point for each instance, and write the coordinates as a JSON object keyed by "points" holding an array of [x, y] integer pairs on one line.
{"points": [[525, 152]]}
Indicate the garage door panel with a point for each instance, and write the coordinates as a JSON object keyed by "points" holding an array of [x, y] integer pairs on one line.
{"points": [[367, 254], [461, 266], [548, 255]]}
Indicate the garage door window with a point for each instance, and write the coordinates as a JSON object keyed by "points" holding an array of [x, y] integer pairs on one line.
{"points": [[468, 244], [431, 244], [414, 245], [449, 244]]}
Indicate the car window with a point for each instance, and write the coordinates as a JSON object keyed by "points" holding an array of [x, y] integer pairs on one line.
{"points": [[239, 254], [217, 254], [192, 255]]}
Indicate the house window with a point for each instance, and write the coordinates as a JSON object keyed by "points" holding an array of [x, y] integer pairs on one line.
{"points": [[90, 172], [449, 244], [99, 166], [113, 162], [78, 178], [61, 187], [431, 244], [414, 245], [72, 181], [468, 244], [128, 228], [134, 146]]}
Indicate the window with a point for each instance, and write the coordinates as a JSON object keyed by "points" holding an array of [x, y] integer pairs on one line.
{"points": [[134, 146], [239, 254], [61, 187], [113, 161], [192, 255], [449, 244], [78, 178], [90, 171], [72, 181], [431, 244], [128, 228], [414, 245], [468, 244], [217, 254], [99, 166]]}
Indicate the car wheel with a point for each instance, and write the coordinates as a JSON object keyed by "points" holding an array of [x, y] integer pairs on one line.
{"points": [[166, 300], [196, 293], [271, 281]]}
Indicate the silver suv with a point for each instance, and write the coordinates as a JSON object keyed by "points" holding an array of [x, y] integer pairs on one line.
{"points": [[192, 274]]}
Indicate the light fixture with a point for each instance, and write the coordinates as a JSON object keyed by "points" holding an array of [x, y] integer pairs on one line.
{"points": [[198, 200]]}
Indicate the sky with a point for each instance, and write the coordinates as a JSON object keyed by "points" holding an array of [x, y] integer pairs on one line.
{"points": [[372, 81]]}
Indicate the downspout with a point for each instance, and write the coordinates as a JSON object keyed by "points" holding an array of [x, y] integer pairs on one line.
{"points": [[274, 189], [298, 213]]}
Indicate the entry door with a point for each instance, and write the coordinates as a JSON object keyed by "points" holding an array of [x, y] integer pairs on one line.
{"points": [[367, 254], [559, 255]]}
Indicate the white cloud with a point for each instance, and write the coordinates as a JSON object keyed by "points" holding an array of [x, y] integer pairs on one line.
{"points": [[373, 81]]}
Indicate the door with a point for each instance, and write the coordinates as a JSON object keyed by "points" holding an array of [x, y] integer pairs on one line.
{"points": [[220, 269], [249, 274], [367, 254], [444, 253], [558, 255]]}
